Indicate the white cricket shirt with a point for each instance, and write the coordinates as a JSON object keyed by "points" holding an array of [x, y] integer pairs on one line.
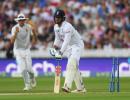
{"points": [[23, 36], [66, 35]]}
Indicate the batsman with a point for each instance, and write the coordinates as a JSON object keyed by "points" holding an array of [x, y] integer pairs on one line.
{"points": [[67, 39]]}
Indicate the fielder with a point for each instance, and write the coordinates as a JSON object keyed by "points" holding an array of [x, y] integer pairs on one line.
{"points": [[68, 39], [21, 33]]}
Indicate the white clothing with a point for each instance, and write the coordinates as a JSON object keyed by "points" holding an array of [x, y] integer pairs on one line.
{"points": [[22, 52], [23, 36], [66, 35], [68, 39]]}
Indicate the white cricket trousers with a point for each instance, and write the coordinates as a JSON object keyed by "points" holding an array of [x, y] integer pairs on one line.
{"points": [[24, 61], [72, 70]]}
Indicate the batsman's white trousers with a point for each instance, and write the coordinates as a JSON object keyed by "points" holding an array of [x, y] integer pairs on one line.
{"points": [[72, 70]]}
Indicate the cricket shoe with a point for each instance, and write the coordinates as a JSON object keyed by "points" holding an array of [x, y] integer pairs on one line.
{"points": [[33, 83], [79, 91], [66, 89], [27, 88]]}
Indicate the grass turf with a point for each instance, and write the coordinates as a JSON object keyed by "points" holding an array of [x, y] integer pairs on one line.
{"points": [[11, 89]]}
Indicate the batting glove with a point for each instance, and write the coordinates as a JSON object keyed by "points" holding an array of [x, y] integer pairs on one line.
{"points": [[58, 55], [53, 51]]}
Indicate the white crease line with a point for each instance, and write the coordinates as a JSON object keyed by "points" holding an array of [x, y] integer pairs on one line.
{"points": [[24, 93], [7, 94]]}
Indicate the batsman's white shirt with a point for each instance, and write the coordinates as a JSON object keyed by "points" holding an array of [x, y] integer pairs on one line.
{"points": [[66, 36]]}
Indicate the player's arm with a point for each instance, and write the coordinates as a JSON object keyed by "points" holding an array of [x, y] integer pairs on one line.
{"points": [[58, 55], [14, 34], [56, 44], [56, 41], [34, 36], [33, 29], [67, 39]]}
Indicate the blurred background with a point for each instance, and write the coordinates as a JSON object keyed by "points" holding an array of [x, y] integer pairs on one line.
{"points": [[103, 24]]}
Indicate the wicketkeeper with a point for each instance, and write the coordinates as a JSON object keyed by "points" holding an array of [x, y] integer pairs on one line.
{"points": [[68, 39]]}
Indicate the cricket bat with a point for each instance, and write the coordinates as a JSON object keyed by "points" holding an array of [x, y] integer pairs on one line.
{"points": [[57, 79]]}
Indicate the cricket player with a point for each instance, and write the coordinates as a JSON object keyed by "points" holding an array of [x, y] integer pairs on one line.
{"points": [[21, 33], [67, 39]]}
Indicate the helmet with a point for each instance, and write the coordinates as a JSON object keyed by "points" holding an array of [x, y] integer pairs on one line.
{"points": [[59, 14]]}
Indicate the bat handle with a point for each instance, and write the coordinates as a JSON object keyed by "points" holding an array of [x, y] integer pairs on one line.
{"points": [[58, 62]]}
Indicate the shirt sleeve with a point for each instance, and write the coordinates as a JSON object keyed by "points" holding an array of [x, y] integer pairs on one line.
{"points": [[67, 38], [57, 39], [13, 31], [30, 29]]}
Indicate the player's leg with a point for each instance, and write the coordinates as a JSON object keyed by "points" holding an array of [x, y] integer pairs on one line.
{"points": [[24, 72], [29, 69], [71, 69], [26, 80], [79, 83], [78, 78], [70, 74]]}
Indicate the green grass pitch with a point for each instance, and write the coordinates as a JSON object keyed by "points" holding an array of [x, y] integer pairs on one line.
{"points": [[97, 89]]}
